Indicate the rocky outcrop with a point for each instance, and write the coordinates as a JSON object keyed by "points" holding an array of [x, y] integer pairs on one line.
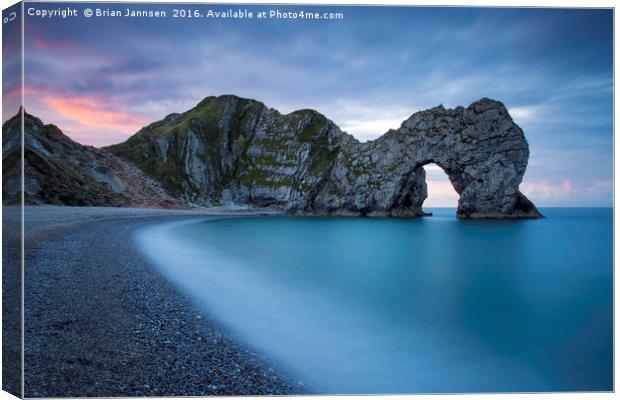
{"points": [[230, 150], [63, 172], [233, 150], [483, 152]]}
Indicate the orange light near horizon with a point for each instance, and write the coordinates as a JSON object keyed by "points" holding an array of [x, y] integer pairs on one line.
{"points": [[95, 113], [17, 92]]}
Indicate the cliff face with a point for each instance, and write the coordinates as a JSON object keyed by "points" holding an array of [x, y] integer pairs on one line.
{"points": [[233, 150], [483, 152], [229, 149], [63, 172]]}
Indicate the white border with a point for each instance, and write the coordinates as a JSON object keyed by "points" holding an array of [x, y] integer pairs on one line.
{"points": [[470, 3]]}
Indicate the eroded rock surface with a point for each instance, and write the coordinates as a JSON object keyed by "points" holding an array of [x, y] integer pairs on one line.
{"points": [[483, 152], [62, 172], [233, 150]]}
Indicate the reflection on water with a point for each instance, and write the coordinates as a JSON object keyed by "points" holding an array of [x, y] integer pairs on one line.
{"points": [[358, 305]]}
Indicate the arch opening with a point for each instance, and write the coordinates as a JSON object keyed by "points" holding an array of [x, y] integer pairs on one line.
{"points": [[440, 192]]}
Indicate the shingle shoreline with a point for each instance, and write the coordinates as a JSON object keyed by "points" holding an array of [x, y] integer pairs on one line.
{"points": [[100, 321]]}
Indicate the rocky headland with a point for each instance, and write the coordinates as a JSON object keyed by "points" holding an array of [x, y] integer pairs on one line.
{"points": [[59, 171], [234, 151]]}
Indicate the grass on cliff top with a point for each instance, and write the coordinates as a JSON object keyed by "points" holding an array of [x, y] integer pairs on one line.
{"points": [[207, 117]]}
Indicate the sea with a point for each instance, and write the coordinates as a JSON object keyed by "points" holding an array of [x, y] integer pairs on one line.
{"points": [[426, 305]]}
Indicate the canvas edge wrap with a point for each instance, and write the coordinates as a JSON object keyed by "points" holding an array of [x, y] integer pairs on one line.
{"points": [[12, 215]]}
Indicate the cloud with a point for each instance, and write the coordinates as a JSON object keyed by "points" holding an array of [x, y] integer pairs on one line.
{"points": [[569, 192], [364, 120], [364, 74], [440, 194], [440, 191], [529, 113], [46, 44], [94, 112], [600, 189], [545, 190], [584, 102]]}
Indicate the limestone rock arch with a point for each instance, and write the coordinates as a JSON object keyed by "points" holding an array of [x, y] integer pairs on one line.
{"points": [[480, 148]]}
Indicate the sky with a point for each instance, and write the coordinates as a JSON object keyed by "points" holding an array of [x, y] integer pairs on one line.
{"points": [[101, 79]]}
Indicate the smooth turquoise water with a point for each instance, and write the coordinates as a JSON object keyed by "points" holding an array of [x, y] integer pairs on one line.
{"points": [[359, 305]]}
